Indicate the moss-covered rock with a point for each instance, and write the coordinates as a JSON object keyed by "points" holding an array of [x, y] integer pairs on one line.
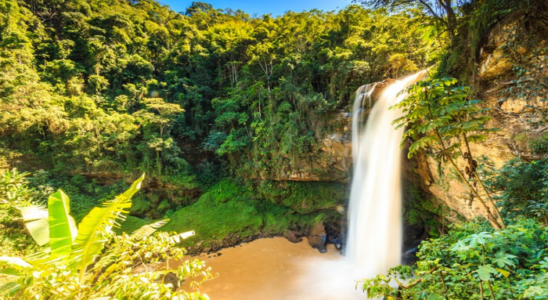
{"points": [[304, 197], [232, 212]]}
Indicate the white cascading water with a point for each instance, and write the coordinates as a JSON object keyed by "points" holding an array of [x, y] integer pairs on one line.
{"points": [[374, 238]]}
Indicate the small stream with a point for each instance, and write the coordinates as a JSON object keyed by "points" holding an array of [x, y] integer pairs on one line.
{"points": [[276, 269]]}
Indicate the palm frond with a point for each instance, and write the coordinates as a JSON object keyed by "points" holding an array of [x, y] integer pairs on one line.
{"points": [[62, 228], [9, 288], [36, 221], [14, 261], [147, 230], [16, 268], [181, 236], [94, 229]]}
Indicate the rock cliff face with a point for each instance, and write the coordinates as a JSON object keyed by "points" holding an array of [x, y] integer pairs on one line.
{"points": [[517, 110], [334, 161]]}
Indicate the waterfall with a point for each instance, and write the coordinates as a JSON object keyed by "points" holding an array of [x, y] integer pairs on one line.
{"points": [[374, 238]]}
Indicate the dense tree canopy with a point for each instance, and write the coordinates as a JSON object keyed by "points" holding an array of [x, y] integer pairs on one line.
{"points": [[444, 12], [123, 85]]}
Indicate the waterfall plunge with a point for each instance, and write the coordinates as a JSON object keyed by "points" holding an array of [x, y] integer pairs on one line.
{"points": [[374, 240]]}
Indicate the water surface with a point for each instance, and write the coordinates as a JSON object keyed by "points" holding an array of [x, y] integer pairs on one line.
{"points": [[276, 269]]}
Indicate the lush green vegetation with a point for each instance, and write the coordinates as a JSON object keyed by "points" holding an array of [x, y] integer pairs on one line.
{"points": [[102, 85], [439, 116], [216, 105], [14, 193], [97, 91], [508, 259], [524, 187], [232, 211], [87, 262], [474, 262], [229, 209]]}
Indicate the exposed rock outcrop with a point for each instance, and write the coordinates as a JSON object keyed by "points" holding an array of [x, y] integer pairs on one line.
{"points": [[318, 237], [292, 236], [334, 162], [517, 111]]}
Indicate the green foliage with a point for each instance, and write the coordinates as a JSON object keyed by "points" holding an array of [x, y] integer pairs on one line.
{"points": [[90, 262], [113, 86], [86, 192], [445, 14], [148, 230], [230, 208], [473, 262], [523, 188], [18, 200], [539, 145], [14, 241], [528, 30], [438, 114], [438, 117], [14, 190], [141, 206], [131, 224], [94, 90], [304, 197], [62, 228], [420, 209]]}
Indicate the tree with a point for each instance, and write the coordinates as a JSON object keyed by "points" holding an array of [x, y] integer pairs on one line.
{"points": [[197, 6], [158, 115], [89, 86], [445, 12]]}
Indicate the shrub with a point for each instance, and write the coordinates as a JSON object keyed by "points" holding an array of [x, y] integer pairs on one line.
{"points": [[539, 145], [473, 262], [523, 188]]}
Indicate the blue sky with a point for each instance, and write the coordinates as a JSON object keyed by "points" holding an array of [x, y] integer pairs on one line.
{"points": [[260, 7]]}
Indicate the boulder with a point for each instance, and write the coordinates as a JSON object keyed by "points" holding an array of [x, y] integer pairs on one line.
{"points": [[317, 237], [292, 236]]}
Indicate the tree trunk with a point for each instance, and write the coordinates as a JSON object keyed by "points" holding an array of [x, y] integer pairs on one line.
{"points": [[451, 20]]}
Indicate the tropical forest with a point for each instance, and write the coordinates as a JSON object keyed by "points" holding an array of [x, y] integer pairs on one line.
{"points": [[382, 149]]}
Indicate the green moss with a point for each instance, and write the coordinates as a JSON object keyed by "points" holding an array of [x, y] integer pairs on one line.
{"points": [[234, 208], [304, 197], [231, 208], [520, 137], [164, 205]]}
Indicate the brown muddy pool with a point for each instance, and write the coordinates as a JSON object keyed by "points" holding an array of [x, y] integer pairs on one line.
{"points": [[276, 269]]}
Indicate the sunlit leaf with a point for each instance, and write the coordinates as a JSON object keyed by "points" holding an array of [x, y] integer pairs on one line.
{"points": [[485, 272]]}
